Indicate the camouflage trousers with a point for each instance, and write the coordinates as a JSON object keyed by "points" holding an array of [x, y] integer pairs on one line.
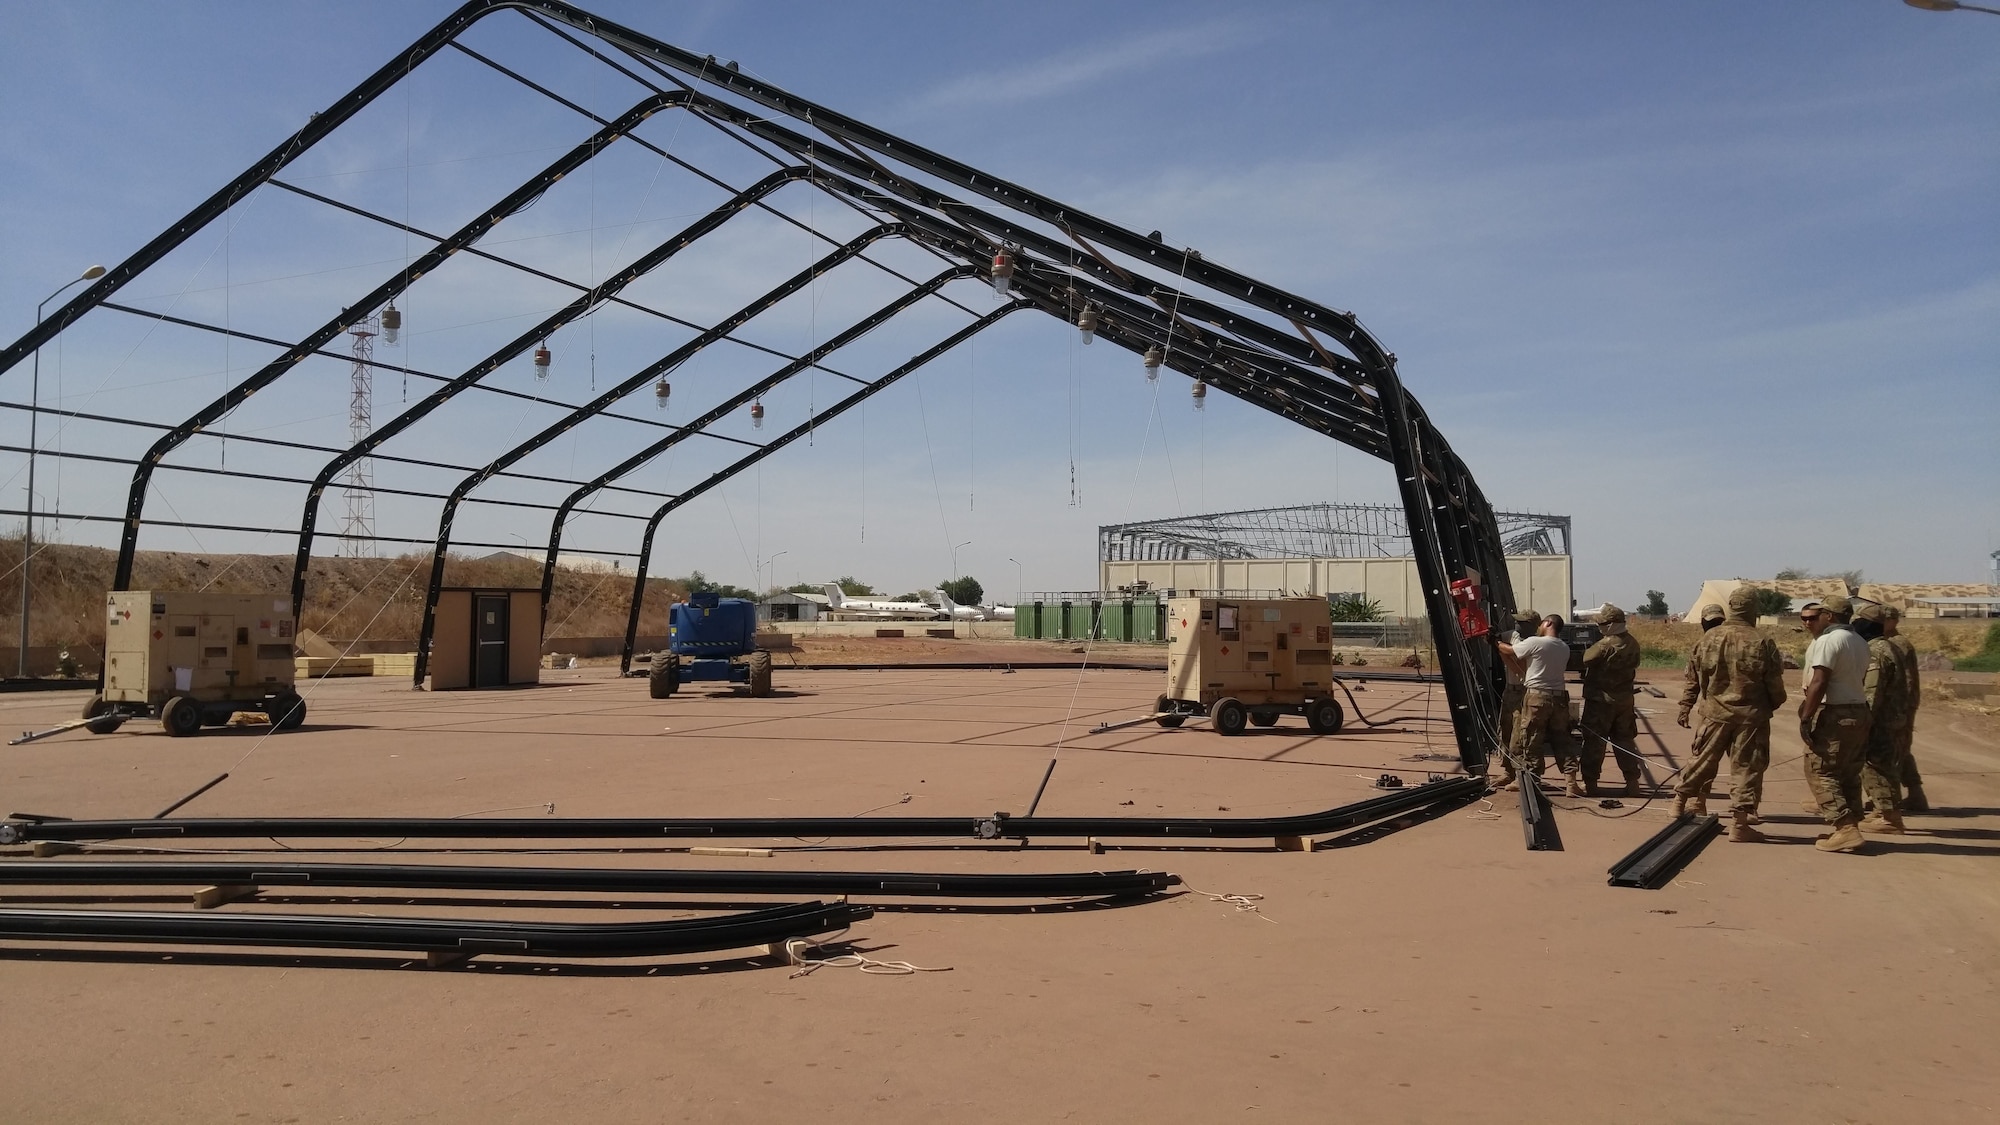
{"points": [[1747, 745], [1836, 748], [1510, 712], [1543, 725], [1911, 778], [1882, 761], [1607, 725]]}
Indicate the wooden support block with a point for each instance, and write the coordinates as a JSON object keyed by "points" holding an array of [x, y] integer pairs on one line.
{"points": [[1293, 844], [447, 958], [1095, 845], [43, 849], [745, 853], [208, 898]]}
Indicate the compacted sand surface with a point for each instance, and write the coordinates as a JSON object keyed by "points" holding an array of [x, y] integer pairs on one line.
{"points": [[1421, 971]]}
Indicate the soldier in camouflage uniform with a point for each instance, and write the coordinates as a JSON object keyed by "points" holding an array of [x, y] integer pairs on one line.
{"points": [[1834, 719], [1735, 680], [1888, 688], [1914, 800], [1525, 624], [1609, 667]]}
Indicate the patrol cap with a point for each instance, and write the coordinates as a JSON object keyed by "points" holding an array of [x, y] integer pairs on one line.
{"points": [[1837, 604], [1870, 611], [1712, 612], [1528, 618], [1891, 613], [1611, 615]]}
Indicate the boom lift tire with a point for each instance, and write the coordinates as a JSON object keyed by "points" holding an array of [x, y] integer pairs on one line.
{"points": [[1324, 716], [288, 712], [1163, 705], [665, 677], [107, 720], [760, 674], [1228, 716], [181, 716]]}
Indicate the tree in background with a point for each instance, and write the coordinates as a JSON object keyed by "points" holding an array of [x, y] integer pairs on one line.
{"points": [[1354, 607], [1798, 573], [698, 583], [846, 582], [1655, 604], [964, 591], [1769, 603]]}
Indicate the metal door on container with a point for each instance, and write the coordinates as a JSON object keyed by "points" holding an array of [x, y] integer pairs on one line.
{"points": [[489, 641]]}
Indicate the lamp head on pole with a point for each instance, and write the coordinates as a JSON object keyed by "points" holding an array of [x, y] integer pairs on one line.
{"points": [[92, 274]]}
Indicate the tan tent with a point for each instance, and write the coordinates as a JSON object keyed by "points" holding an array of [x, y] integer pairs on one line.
{"points": [[1717, 590]]}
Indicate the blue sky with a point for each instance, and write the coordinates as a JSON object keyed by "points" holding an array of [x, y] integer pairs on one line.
{"points": [[1720, 280]]}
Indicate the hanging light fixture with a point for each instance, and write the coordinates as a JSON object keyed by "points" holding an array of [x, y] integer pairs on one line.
{"points": [[1200, 393], [1155, 356], [1003, 272], [392, 323], [757, 414], [1086, 323], [542, 361], [662, 390]]}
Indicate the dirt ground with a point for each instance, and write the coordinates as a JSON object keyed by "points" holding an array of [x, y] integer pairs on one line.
{"points": [[1433, 970]]}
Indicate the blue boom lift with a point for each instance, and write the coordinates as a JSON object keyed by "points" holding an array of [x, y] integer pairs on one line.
{"points": [[711, 638]]}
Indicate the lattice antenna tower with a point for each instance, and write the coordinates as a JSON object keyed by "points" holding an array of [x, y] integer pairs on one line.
{"points": [[358, 529]]}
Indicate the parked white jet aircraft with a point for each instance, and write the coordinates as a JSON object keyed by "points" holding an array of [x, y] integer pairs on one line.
{"points": [[974, 613], [840, 605]]}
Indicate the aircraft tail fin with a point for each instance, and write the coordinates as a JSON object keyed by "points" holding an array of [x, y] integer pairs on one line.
{"points": [[833, 595]]}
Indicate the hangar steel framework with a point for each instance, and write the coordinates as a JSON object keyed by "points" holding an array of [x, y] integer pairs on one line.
{"points": [[1303, 361], [1307, 531]]}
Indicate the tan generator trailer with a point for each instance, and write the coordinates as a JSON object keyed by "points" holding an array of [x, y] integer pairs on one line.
{"points": [[1249, 660], [196, 659]]}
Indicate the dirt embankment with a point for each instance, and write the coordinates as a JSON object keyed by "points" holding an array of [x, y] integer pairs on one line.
{"points": [[365, 599]]}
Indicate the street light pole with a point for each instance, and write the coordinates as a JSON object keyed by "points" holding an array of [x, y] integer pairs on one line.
{"points": [[770, 564], [954, 575], [1020, 580], [34, 417]]}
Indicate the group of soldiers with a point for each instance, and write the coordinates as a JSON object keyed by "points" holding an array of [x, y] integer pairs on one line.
{"points": [[1862, 689]]}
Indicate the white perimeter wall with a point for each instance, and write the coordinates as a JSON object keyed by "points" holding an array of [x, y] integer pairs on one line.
{"points": [[1541, 582]]}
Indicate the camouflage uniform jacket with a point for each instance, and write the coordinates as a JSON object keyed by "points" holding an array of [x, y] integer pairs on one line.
{"points": [[1908, 652], [1888, 686], [1734, 674], [1608, 668]]}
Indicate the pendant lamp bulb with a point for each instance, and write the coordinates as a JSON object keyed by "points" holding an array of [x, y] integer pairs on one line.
{"points": [[1200, 393], [392, 323], [662, 390], [1155, 356], [1086, 323], [757, 414], [1003, 272], [542, 358]]}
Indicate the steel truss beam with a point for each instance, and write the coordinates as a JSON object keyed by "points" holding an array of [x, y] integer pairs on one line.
{"points": [[462, 937], [996, 827], [616, 880], [597, 405]]}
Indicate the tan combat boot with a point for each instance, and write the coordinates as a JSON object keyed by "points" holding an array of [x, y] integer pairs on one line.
{"points": [[1845, 837], [1884, 823], [1740, 831], [1680, 805], [1574, 786], [1698, 805], [1755, 817]]}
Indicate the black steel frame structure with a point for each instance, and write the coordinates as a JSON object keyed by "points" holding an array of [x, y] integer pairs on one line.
{"points": [[1306, 531], [1303, 361]]}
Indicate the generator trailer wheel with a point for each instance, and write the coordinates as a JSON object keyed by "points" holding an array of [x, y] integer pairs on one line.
{"points": [[1164, 704], [1228, 716], [1264, 718], [287, 712], [1324, 716], [181, 716], [107, 719]]}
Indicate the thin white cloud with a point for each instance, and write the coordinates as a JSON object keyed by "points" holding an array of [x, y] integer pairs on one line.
{"points": [[1072, 70]]}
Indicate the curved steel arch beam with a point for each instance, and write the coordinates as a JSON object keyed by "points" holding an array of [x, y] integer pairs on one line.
{"points": [[582, 304], [675, 358], [782, 440], [511, 204], [734, 402]]}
